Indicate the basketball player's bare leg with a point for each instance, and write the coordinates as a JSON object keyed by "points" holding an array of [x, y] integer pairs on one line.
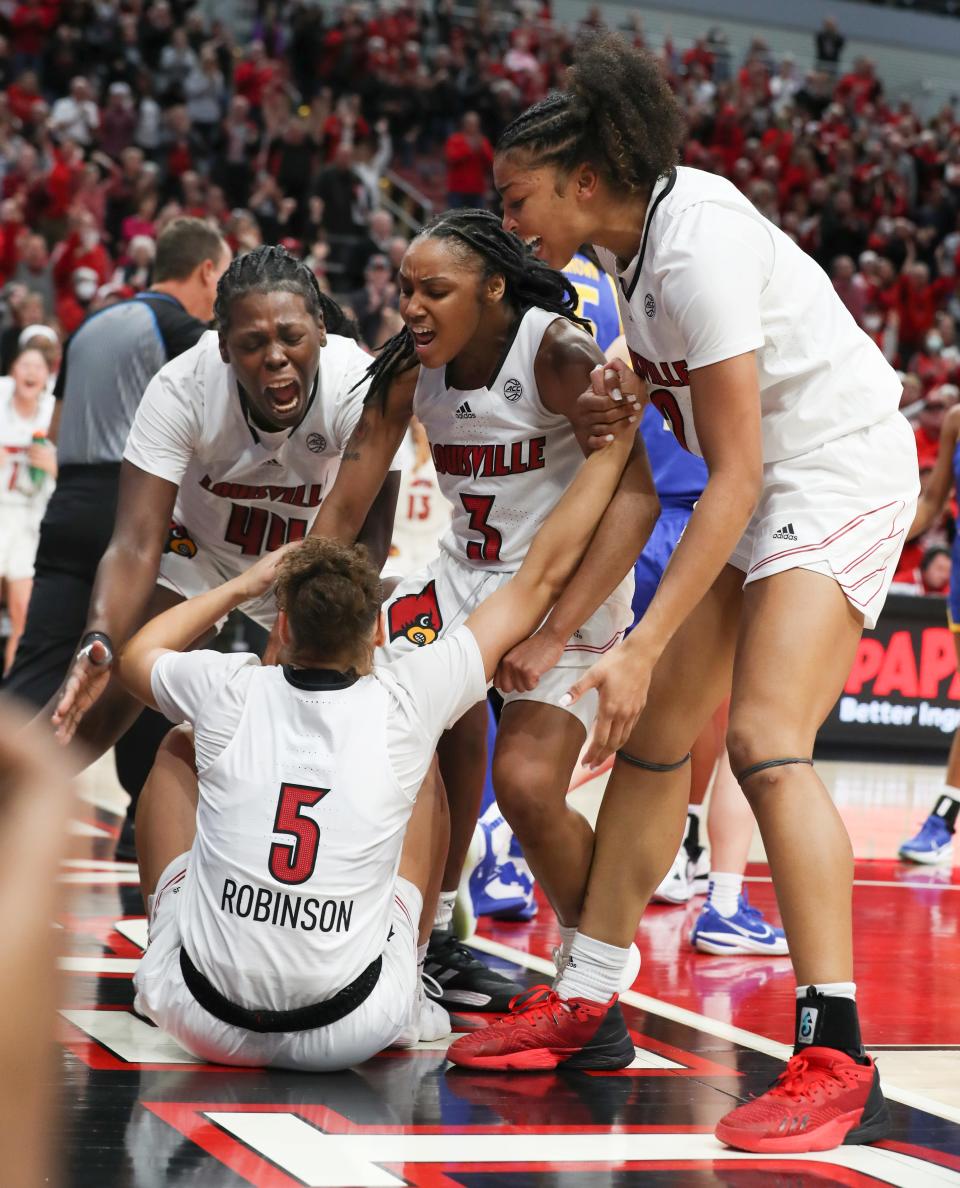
{"points": [[643, 811], [425, 844], [730, 821], [537, 748], [798, 639], [167, 808], [462, 752]]}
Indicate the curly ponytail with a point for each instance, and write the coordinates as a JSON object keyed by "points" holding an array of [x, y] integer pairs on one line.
{"points": [[617, 113]]}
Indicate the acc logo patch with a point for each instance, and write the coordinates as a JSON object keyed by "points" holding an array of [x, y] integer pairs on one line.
{"points": [[316, 443], [513, 390], [649, 305], [179, 541], [415, 617]]}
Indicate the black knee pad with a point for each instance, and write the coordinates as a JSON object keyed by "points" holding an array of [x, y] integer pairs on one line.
{"points": [[755, 767], [646, 765]]}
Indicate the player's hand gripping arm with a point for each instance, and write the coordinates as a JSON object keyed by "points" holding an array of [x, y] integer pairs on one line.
{"points": [[175, 629], [934, 496], [627, 522], [512, 612], [126, 577], [726, 411]]}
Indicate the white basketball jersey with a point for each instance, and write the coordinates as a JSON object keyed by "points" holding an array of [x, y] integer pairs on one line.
{"points": [[280, 882], [243, 491], [502, 459], [17, 488], [714, 279], [307, 783]]}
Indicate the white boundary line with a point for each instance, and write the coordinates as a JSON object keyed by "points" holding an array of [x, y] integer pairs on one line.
{"points": [[931, 886], [715, 1027]]}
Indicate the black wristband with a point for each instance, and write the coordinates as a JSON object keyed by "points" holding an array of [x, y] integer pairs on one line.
{"points": [[87, 643]]}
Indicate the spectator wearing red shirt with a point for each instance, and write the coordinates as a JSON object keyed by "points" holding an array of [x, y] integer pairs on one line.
{"points": [[469, 163], [74, 302], [927, 432], [919, 298], [253, 75], [81, 249], [23, 95], [30, 25]]}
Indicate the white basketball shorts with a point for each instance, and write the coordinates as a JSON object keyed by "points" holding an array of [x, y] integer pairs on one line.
{"points": [[439, 598], [842, 509], [189, 575], [162, 996]]}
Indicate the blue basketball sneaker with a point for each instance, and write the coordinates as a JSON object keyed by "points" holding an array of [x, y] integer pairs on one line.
{"points": [[500, 883], [934, 843], [747, 932]]}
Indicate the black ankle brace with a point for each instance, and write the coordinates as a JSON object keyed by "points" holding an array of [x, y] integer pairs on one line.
{"points": [[947, 808], [826, 1022]]}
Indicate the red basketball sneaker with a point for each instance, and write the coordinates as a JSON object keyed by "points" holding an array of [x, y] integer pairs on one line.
{"points": [[544, 1031], [822, 1099]]}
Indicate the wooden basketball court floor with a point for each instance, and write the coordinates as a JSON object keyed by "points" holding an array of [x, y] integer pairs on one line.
{"points": [[140, 1113]]}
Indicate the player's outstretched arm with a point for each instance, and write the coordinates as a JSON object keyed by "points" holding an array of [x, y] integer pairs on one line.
{"points": [[177, 628], [126, 577], [511, 613], [365, 463]]}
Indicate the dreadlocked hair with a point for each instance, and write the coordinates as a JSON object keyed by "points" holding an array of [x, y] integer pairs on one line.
{"points": [[617, 114], [270, 269], [478, 235]]}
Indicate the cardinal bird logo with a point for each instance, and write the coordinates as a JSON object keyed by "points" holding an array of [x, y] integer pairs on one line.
{"points": [[416, 617]]}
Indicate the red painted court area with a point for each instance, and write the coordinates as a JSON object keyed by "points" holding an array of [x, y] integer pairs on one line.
{"points": [[141, 1113]]}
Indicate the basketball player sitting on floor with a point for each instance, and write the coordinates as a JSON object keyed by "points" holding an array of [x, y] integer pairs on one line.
{"points": [[284, 891]]}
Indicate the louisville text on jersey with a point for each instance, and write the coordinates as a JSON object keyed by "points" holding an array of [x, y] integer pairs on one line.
{"points": [[665, 375], [285, 910], [302, 496], [490, 461]]}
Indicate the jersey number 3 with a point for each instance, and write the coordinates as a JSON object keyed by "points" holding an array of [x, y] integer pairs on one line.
{"points": [[479, 507], [294, 862]]}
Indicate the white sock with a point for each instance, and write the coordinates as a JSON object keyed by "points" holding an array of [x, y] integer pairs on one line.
{"points": [[567, 934], [831, 990], [421, 957], [724, 893], [444, 916], [593, 971], [695, 810]]}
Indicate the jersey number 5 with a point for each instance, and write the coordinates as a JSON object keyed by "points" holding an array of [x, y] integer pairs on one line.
{"points": [[294, 863], [479, 507]]}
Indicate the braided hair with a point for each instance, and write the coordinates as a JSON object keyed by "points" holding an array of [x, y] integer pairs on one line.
{"points": [[617, 114], [270, 269], [479, 236]]}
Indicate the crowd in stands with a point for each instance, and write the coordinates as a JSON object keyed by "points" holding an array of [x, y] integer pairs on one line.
{"points": [[118, 115]]}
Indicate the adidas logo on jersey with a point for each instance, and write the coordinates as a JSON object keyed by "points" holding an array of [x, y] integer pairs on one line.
{"points": [[272, 462], [464, 412], [785, 533]]}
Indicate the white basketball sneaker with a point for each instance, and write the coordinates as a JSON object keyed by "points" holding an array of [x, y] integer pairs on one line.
{"points": [[428, 1020], [676, 887]]}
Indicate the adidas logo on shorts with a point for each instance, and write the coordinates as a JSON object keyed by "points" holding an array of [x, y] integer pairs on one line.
{"points": [[785, 533], [464, 412]]}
